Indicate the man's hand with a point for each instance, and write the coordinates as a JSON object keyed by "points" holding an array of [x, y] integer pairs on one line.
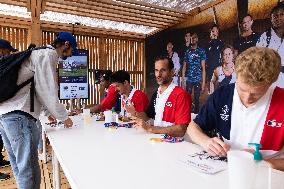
{"points": [[142, 124], [130, 109], [52, 119], [216, 147], [68, 123], [95, 109]]}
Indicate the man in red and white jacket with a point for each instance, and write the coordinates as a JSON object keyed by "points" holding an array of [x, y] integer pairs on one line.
{"points": [[129, 95], [170, 106], [111, 96]]}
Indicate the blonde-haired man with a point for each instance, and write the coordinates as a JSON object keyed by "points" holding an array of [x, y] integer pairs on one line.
{"points": [[249, 111]]}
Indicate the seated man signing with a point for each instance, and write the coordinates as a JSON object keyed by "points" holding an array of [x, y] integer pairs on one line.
{"points": [[129, 95], [169, 107], [249, 111]]}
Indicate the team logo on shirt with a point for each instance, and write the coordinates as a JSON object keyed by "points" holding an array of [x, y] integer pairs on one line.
{"points": [[273, 123], [224, 115], [169, 104]]}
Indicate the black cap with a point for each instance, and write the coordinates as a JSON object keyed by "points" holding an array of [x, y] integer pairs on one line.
{"points": [[4, 44]]}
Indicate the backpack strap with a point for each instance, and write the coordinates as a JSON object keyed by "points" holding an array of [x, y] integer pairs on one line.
{"points": [[32, 95]]}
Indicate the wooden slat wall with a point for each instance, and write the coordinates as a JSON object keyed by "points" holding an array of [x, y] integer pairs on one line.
{"points": [[108, 53], [17, 36]]}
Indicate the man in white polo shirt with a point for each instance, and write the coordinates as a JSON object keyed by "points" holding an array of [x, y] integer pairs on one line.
{"points": [[249, 111], [274, 37], [169, 107]]}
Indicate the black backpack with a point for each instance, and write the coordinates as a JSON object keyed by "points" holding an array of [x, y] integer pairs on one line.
{"points": [[9, 68]]}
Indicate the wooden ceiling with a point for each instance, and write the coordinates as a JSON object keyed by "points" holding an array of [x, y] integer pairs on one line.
{"points": [[136, 12], [225, 14]]}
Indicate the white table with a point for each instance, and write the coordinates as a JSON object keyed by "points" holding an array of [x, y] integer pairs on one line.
{"points": [[95, 157]]}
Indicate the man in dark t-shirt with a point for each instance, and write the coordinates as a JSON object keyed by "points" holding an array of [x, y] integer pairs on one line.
{"points": [[213, 52], [248, 38]]}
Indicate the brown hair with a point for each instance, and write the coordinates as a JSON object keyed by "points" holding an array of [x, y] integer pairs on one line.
{"points": [[258, 66]]}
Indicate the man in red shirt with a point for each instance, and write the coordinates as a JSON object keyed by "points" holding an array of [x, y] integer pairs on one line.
{"points": [[129, 95], [112, 97], [169, 107]]}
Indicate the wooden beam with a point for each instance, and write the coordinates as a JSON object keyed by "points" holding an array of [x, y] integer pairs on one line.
{"points": [[34, 35], [43, 5], [104, 15], [211, 4], [29, 5], [215, 16], [56, 27], [140, 7], [242, 6], [118, 10], [153, 6], [14, 21], [21, 3]]}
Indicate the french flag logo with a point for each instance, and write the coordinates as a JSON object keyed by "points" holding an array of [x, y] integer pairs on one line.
{"points": [[273, 123]]}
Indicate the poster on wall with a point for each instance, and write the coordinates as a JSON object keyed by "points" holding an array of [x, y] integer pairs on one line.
{"points": [[73, 76]]}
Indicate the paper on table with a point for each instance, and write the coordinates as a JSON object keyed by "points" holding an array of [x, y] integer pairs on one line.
{"points": [[204, 163]]}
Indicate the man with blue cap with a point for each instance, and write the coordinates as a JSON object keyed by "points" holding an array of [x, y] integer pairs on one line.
{"points": [[18, 122]]}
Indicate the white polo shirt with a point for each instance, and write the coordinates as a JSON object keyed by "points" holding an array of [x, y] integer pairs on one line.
{"points": [[247, 124]]}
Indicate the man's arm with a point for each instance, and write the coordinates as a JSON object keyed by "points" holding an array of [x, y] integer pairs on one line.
{"points": [[276, 163], [214, 146], [107, 103], [95, 108], [175, 130]]}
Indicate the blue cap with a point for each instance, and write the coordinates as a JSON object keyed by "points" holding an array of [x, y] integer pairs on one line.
{"points": [[4, 44], [66, 36]]}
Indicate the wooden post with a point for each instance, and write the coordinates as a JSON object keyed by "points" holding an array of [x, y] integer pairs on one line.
{"points": [[35, 34], [242, 11]]}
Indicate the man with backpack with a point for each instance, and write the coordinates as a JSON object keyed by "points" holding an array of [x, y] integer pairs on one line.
{"points": [[5, 49], [274, 37], [37, 87]]}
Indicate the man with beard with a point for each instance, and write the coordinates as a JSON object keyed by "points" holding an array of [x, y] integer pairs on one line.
{"points": [[248, 38], [169, 107], [273, 38]]}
